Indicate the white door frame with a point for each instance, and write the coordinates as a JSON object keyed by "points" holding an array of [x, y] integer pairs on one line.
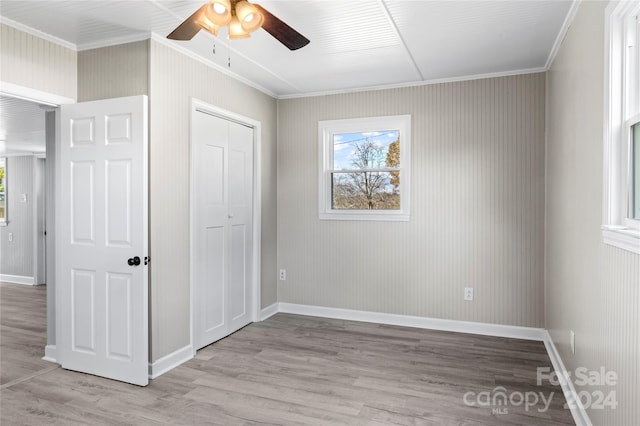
{"points": [[197, 104], [53, 100], [33, 95]]}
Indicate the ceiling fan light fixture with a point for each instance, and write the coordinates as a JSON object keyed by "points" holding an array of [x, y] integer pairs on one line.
{"points": [[235, 29], [219, 12], [249, 17], [209, 26]]}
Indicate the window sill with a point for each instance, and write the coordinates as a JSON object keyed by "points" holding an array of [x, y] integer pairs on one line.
{"points": [[364, 216], [621, 237]]}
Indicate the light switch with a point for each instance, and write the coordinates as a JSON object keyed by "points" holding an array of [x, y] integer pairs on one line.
{"points": [[22, 198]]}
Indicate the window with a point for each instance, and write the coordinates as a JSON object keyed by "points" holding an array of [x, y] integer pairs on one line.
{"points": [[634, 212], [3, 191], [622, 126], [365, 168]]}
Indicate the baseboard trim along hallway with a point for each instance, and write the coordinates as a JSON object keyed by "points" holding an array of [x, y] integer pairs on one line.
{"points": [[17, 279]]}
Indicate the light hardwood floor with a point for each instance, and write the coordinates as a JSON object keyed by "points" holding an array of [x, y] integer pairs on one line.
{"points": [[286, 370], [23, 333]]}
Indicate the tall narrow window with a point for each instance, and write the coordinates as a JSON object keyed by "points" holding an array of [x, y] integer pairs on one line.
{"points": [[3, 191], [365, 168], [621, 216], [634, 196], [631, 112]]}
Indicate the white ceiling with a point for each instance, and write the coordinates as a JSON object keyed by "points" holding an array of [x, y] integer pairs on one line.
{"points": [[354, 43]]}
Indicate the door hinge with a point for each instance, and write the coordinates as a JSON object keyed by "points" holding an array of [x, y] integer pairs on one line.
{"points": [[147, 259]]}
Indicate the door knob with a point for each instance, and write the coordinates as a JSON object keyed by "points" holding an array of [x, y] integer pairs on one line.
{"points": [[133, 261], [230, 215]]}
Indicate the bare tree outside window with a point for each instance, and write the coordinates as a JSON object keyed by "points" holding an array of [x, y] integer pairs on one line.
{"points": [[368, 176], [365, 168]]}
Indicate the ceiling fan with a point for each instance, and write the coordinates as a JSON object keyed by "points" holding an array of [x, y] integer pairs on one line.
{"points": [[242, 18]]}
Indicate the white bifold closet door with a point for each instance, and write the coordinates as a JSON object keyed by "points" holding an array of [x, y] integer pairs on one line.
{"points": [[222, 179]]}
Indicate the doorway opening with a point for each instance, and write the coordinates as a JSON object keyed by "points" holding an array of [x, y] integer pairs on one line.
{"points": [[22, 191], [27, 138], [27, 141]]}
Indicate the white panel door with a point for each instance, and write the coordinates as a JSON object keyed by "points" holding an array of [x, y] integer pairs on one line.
{"points": [[222, 161], [101, 259]]}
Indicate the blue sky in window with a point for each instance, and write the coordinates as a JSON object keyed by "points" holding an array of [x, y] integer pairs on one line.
{"points": [[344, 145]]}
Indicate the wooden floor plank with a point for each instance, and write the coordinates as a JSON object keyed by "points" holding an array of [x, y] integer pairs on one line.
{"points": [[23, 331], [288, 370]]}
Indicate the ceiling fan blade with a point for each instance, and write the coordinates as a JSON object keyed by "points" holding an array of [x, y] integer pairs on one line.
{"points": [[281, 31], [189, 28]]}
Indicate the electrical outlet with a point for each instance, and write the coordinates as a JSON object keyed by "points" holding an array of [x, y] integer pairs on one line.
{"points": [[10, 236], [573, 342], [468, 293], [283, 274]]}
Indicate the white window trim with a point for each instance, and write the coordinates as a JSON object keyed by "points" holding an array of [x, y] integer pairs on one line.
{"points": [[617, 229], [326, 129]]}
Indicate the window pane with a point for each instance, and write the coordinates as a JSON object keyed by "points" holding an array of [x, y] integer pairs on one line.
{"points": [[365, 191], [366, 150], [635, 171], [3, 194]]}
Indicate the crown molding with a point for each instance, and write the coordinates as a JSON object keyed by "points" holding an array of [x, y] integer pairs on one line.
{"points": [[161, 40], [114, 41], [415, 83], [37, 33], [571, 14]]}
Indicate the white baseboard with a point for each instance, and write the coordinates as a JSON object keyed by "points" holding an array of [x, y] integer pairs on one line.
{"points": [[50, 353], [156, 369], [170, 361], [269, 311], [486, 329], [17, 279], [580, 416]]}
